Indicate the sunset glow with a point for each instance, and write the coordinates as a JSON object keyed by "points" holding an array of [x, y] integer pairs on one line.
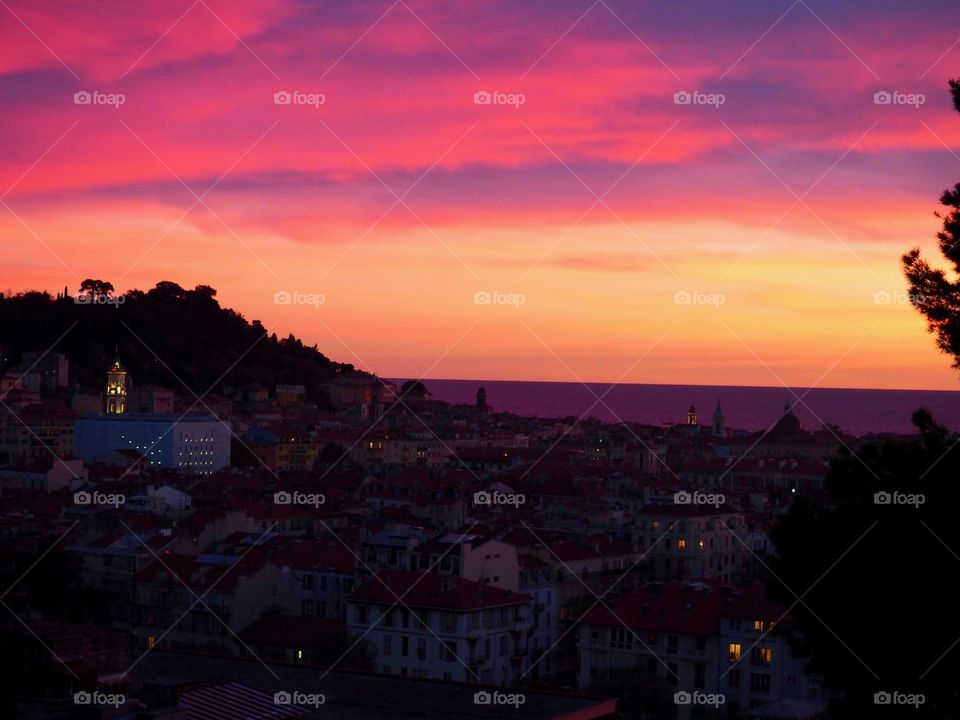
{"points": [[752, 241]]}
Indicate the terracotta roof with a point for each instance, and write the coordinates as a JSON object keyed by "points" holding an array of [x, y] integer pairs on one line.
{"points": [[434, 590], [677, 607], [316, 555]]}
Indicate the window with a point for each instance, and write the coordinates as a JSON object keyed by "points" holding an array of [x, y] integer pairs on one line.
{"points": [[759, 682], [734, 651], [421, 648], [733, 678], [672, 644], [388, 645], [388, 618], [448, 651], [762, 655], [762, 625], [620, 639], [361, 613], [681, 544], [404, 645]]}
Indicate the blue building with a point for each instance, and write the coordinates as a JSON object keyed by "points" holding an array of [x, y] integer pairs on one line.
{"points": [[191, 443]]}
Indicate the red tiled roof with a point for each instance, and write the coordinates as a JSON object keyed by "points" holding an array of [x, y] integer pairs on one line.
{"points": [[434, 590], [686, 609], [314, 554]]}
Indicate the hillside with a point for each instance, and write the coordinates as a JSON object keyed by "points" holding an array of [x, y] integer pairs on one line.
{"points": [[194, 338]]}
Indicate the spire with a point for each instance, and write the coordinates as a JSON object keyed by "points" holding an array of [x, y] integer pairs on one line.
{"points": [[719, 425]]}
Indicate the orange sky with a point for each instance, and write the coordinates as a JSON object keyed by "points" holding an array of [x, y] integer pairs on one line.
{"points": [[619, 235]]}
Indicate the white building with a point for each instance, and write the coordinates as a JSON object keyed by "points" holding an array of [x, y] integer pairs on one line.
{"points": [[538, 579], [446, 628], [196, 443], [698, 638]]}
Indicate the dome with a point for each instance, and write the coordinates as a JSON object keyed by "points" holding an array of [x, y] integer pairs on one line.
{"points": [[789, 424]]}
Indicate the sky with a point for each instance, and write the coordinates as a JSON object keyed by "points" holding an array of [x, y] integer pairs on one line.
{"points": [[607, 191]]}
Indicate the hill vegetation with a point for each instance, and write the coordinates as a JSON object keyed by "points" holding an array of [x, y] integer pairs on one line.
{"points": [[167, 336]]}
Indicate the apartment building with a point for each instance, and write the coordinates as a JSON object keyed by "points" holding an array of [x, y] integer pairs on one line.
{"points": [[446, 627]]}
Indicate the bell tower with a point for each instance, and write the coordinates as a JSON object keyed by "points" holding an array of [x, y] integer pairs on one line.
{"points": [[719, 425], [692, 416], [116, 389]]}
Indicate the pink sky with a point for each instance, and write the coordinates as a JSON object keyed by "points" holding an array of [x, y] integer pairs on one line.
{"points": [[598, 200]]}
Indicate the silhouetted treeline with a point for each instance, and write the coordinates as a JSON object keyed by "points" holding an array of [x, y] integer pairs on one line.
{"points": [[160, 335]]}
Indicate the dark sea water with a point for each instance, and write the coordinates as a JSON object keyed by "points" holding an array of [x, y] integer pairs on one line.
{"points": [[750, 408]]}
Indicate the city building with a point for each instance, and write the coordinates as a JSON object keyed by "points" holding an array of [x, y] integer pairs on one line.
{"points": [[692, 541], [697, 637], [192, 443], [445, 627], [53, 369]]}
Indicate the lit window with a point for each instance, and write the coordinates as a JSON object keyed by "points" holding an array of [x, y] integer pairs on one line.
{"points": [[734, 652], [681, 544], [762, 656]]}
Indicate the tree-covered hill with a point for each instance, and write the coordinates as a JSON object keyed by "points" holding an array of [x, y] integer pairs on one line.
{"points": [[208, 347]]}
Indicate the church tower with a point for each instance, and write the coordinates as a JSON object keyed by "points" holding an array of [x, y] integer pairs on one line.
{"points": [[692, 416], [482, 401], [116, 389], [719, 425]]}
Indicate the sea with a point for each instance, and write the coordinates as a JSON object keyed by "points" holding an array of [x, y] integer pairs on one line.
{"points": [[859, 412]]}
